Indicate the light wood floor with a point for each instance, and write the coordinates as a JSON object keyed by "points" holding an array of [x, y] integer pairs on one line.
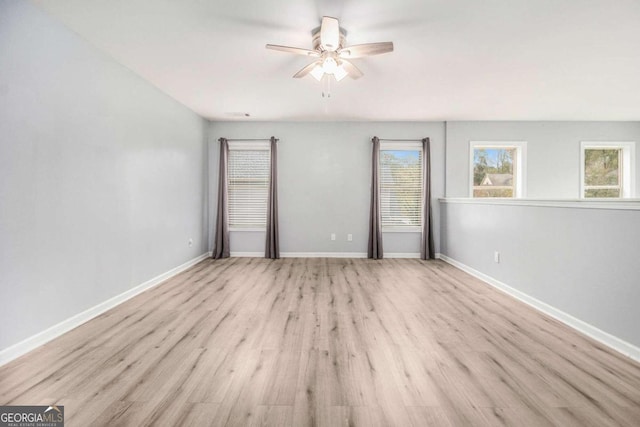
{"points": [[326, 342]]}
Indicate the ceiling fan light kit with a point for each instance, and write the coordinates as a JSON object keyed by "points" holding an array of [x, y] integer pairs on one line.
{"points": [[333, 57]]}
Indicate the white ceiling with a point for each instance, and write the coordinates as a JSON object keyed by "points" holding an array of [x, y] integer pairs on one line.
{"points": [[453, 60]]}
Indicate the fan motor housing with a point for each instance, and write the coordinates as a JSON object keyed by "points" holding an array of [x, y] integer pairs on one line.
{"points": [[315, 34]]}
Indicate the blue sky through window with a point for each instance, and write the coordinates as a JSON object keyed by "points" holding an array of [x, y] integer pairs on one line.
{"points": [[404, 154], [492, 155]]}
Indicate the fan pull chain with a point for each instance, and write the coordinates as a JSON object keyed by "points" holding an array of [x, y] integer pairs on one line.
{"points": [[326, 86]]}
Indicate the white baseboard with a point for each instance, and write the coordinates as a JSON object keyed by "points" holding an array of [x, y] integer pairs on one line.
{"points": [[402, 255], [302, 254], [325, 254], [247, 254], [601, 336], [41, 338]]}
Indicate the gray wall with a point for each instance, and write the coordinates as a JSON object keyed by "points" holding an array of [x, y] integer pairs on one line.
{"points": [[553, 152], [581, 261], [324, 182], [102, 177]]}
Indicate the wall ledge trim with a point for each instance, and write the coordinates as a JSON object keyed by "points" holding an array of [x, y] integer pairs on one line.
{"points": [[618, 204], [611, 341], [25, 346]]}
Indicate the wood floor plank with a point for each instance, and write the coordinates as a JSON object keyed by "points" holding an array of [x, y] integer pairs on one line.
{"points": [[326, 342]]}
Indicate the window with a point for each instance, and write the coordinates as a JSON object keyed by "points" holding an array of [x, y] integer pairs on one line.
{"points": [[248, 174], [401, 186], [497, 169], [607, 169]]}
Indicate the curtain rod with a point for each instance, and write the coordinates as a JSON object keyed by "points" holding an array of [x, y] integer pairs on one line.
{"points": [[403, 140], [251, 139]]}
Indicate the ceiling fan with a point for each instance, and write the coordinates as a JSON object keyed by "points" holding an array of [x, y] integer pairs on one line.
{"points": [[332, 56]]}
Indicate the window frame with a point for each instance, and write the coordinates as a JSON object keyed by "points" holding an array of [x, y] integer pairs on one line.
{"points": [[403, 146], [628, 164], [520, 166], [248, 146]]}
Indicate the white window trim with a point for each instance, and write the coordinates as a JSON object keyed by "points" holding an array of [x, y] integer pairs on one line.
{"points": [[408, 146], [628, 166], [416, 229], [521, 163], [249, 146]]}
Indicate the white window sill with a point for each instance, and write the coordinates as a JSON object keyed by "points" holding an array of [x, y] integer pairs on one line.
{"points": [[616, 204], [402, 230]]}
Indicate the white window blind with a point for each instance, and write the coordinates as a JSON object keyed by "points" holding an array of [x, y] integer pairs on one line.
{"points": [[401, 187], [248, 173]]}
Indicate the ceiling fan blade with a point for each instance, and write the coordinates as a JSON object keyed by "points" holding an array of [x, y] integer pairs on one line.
{"points": [[306, 70], [367, 49], [294, 50], [330, 34], [353, 71]]}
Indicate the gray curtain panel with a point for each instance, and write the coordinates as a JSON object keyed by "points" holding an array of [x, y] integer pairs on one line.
{"points": [[426, 245], [272, 249], [375, 228], [221, 242]]}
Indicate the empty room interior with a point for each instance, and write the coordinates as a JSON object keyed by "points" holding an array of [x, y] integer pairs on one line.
{"points": [[320, 213]]}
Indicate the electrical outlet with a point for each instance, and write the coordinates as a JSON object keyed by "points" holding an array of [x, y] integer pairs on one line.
{"points": [[496, 256], [350, 237], [333, 236], [190, 242]]}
